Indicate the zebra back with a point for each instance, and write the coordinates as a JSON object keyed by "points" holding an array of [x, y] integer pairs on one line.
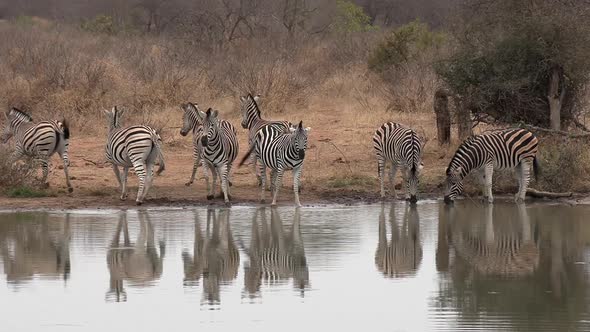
{"points": [[399, 144]]}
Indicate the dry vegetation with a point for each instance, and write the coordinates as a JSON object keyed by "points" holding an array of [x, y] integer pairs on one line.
{"points": [[55, 69]]}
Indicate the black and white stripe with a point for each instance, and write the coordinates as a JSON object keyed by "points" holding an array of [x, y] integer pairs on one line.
{"points": [[280, 152], [135, 146], [401, 147], [38, 140], [192, 122], [401, 256], [253, 121], [275, 255], [506, 149], [220, 148]]}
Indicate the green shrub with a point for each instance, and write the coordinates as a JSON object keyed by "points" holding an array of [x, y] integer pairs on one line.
{"points": [[352, 181], [403, 45], [26, 192], [351, 18], [100, 24], [565, 165]]}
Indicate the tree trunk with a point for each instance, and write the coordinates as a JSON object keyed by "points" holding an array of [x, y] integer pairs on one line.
{"points": [[443, 117], [463, 116], [555, 99]]}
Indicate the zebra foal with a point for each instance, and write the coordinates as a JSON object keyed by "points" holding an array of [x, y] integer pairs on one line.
{"points": [[280, 152], [133, 146], [220, 149], [506, 149], [401, 147], [38, 140]]}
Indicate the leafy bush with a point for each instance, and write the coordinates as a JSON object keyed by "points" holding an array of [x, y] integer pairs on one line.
{"points": [[18, 175], [565, 165], [25, 192], [403, 45], [351, 18]]}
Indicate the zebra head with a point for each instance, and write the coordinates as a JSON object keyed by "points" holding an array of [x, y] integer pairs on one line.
{"points": [[114, 117], [249, 109], [210, 126], [454, 182], [190, 118], [14, 118], [413, 181], [300, 139]]}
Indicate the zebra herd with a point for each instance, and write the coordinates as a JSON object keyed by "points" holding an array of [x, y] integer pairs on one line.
{"points": [[276, 145]]}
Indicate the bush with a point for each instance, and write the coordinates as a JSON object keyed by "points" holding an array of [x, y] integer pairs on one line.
{"points": [[565, 165], [18, 175], [100, 24], [404, 45], [25, 192], [351, 18]]}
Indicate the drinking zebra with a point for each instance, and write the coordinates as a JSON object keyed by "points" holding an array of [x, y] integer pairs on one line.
{"points": [[38, 140], [133, 146], [191, 122], [506, 149], [252, 120], [402, 147], [220, 148], [280, 152]]}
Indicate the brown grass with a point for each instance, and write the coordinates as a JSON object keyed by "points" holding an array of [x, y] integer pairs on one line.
{"points": [[56, 71]]}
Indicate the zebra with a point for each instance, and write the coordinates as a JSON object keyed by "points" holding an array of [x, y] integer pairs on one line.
{"points": [[38, 140], [139, 264], [252, 120], [220, 149], [505, 149], [402, 255], [280, 152], [215, 256], [133, 146], [191, 122], [402, 147], [275, 255]]}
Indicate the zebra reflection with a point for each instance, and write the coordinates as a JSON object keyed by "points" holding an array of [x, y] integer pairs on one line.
{"points": [[274, 255], [499, 246], [402, 254], [36, 249], [138, 264], [215, 256]]}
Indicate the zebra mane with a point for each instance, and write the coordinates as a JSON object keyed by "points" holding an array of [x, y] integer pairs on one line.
{"points": [[253, 102], [23, 113], [463, 146]]}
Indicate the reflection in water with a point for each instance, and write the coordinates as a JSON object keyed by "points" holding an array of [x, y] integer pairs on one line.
{"points": [[402, 255], [139, 264], [35, 247], [503, 246], [215, 256], [514, 263], [274, 256]]}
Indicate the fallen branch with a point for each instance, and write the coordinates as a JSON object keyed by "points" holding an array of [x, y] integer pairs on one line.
{"points": [[545, 194], [327, 140], [560, 132]]}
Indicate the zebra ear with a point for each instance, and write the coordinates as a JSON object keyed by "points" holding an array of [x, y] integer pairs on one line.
{"points": [[215, 113], [208, 112], [257, 98], [421, 166]]}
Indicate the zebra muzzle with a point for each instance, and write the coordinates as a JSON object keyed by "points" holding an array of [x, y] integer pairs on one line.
{"points": [[448, 200], [301, 154], [413, 199], [204, 140]]}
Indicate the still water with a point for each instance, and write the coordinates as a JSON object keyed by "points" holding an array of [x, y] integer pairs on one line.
{"points": [[379, 267]]}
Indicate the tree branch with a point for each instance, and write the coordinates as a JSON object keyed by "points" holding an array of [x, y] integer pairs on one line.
{"points": [[559, 132]]}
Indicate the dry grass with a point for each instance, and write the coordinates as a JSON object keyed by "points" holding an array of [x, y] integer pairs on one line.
{"points": [[60, 71]]}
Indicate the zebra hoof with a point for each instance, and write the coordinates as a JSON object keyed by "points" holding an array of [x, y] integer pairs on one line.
{"points": [[70, 190], [46, 185], [262, 201], [210, 197], [228, 204], [188, 184], [138, 203], [229, 183]]}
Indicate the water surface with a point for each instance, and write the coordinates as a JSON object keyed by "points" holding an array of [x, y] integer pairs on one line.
{"points": [[389, 267]]}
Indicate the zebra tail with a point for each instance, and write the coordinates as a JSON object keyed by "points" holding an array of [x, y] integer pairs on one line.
{"points": [[157, 140], [536, 168], [65, 129], [247, 155]]}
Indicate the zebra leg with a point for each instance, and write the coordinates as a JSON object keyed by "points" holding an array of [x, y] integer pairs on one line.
{"points": [[489, 172], [140, 169], [392, 180], [406, 182], [211, 189], [278, 181], [45, 168], [66, 162], [296, 182], [228, 189], [118, 176], [263, 181], [481, 178], [223, 173], [194, 173], [523, 181], [148, 179], [124, 182], [380, 172]]}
